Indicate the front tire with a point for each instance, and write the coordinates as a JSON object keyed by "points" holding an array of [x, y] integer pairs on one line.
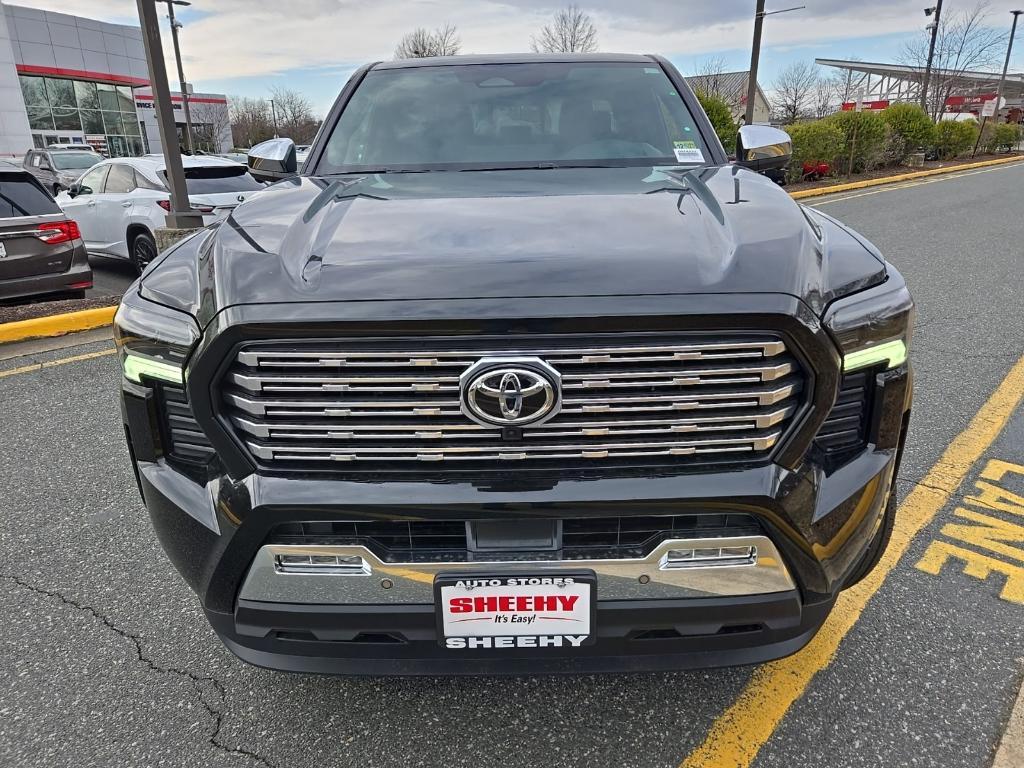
{"points": [[143, 251]]}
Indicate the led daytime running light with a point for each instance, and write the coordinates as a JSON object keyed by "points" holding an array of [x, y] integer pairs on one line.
{"points": [[135, 367], [892, 353]]}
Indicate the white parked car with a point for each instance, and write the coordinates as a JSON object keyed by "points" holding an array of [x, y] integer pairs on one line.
{"points": [[120, 202]]}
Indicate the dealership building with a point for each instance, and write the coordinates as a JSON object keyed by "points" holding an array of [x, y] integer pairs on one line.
{"points": [[70, 80]]}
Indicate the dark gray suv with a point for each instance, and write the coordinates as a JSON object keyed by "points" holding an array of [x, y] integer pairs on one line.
{"points": [[41, 249], [58, 168]]}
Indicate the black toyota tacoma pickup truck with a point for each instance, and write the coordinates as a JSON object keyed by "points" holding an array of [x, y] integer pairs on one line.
{"points": [[518, 374]]}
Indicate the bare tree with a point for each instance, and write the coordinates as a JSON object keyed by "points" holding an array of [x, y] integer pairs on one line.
{"points": [[422, 43], [251, 121], [824, 97], [571, 31], [211, 126], [295, 117], [965, 41], [794, 91], [709, 78], [844, 83]]}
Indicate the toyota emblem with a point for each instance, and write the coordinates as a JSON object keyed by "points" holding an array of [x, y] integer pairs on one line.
{"points": [[510, 392]]}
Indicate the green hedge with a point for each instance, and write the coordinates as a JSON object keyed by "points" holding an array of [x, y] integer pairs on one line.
{"points": [[955, 137], [814, 142], [1000, 138], [864, 134], [910, 129], [720, 116]]}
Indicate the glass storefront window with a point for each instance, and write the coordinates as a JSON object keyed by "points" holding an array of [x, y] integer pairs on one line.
{"points": [[40, 118], [33, 91], [125, 99], [61, 93], [92, 121], [103, 111], [112, 122], [66, 119], [87, 96], [108, 97]]}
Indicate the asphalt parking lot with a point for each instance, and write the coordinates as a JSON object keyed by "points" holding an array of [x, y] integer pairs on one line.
{"points": [[107, 660]]}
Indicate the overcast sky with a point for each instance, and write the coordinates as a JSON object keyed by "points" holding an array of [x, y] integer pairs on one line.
{"points": [[244, 46]]}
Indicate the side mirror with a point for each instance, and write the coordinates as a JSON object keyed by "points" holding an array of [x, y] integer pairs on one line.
{"points": [[763, 148], [273, 160], [75, 190]]}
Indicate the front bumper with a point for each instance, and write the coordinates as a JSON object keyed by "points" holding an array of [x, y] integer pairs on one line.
{"points": [[819, 517], [819, 524]]}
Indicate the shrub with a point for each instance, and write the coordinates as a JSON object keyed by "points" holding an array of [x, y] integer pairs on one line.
{"points": [[814, 142], [869, 145], [955, 137], [910, 128], [720, 116], [1005, 137]]}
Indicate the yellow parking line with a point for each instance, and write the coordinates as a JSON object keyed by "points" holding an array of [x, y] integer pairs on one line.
{"points": [[910, 184], [739, 733], [54, 363]]}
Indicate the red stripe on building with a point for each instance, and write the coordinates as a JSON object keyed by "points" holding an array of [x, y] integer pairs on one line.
{"points": [[191, 99], [81, 74]]}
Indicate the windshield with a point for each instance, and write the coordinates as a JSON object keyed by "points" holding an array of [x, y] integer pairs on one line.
{"points": [[511, 116], [216, 179], [74, 161]]}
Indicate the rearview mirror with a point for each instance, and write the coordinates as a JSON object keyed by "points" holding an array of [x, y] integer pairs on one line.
{"points": [[763, 148], [273, 160]]}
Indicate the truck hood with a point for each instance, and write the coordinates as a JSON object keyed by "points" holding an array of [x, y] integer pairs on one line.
{"points": [[513, 234]]}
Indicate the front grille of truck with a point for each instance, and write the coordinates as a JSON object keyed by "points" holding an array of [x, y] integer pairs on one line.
{"points": [[586, 538], [394, 404]]}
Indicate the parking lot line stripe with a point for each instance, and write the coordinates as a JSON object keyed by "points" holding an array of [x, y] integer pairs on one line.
{"points": [[739, 733], [911, 184], [54, 363]]}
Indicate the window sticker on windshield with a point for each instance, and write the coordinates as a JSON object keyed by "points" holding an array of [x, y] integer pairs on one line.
{"points": [[688, 152], [651, 70]]}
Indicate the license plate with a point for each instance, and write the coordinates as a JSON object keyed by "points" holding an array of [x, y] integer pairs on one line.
{"points": [[515, 610]]}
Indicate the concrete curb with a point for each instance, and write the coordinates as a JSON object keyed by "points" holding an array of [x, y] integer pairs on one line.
{"points": [[56, 325], [805, 193]]}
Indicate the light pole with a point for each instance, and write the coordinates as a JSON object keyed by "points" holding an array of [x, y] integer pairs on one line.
{"points": [[755, 55], [181, 215], [937, 10], [1006, 64], [175, 26]]}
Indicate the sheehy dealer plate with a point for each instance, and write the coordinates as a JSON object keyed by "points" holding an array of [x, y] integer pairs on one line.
{"points": [[515, 610]]}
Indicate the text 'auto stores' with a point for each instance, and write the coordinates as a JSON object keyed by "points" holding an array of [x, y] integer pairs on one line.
{"points": [[71, 80]]}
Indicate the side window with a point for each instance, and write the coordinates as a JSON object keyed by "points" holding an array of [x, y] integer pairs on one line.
{"points": [[121, 179], [92, 182], [143, 183], [36, 159]]}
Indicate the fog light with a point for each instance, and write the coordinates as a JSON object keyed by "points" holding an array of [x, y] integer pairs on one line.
{"points": [[708, 557], [328, 565]]}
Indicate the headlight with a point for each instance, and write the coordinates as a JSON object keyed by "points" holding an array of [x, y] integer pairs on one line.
{"points": [[874, 327], [153, 341]]}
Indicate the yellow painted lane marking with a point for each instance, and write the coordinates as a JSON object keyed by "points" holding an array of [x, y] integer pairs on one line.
{"points": [[53, 363], [865, 183], [908, 185], [739, 733]]}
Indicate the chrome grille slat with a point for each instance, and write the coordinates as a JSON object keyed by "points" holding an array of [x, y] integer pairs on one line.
{"points": [[638, 397]]}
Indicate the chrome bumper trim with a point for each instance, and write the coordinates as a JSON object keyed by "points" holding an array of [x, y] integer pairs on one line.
{"points": [[691, 570]]}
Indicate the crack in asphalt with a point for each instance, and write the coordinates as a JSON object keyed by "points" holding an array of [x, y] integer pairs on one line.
{"points": [[198, 681]]}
